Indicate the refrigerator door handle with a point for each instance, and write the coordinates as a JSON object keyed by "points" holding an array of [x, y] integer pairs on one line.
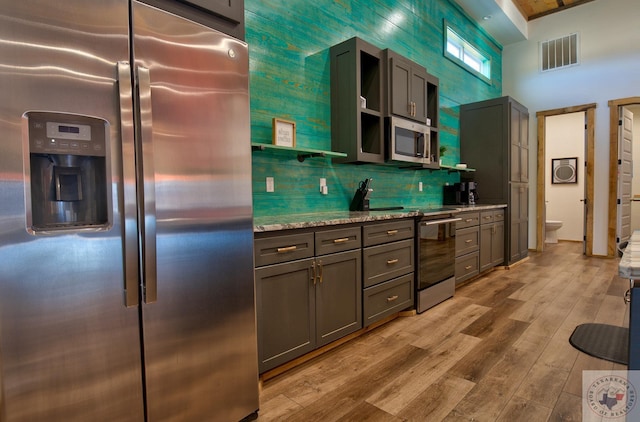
{"points": [[149, 272], [131, 291]]}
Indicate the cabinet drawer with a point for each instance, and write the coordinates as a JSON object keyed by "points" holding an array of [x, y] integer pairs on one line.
{"points": [[384, 262], [376, 234], [498, 215], [387, 298], [338, 240], [487, 217], [467, 266], [467, 240], [276, 249], [468, 219]]}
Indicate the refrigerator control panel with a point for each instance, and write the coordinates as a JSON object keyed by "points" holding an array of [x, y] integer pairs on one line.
{"points": [[56, 133]]}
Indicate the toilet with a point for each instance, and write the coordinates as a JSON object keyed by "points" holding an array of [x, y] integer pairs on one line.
{"points": [[551, 230]]}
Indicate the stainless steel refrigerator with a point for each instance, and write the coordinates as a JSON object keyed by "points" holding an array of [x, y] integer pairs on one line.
{"points": [[126, 263]]}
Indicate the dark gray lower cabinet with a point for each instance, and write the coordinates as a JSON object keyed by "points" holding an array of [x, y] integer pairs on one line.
{"points": [[286, 310], [306, 303], [491, 239]]}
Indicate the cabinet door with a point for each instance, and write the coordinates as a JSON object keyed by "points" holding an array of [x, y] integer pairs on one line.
{"points": [[518, 221], [285, 306], [524, 148], [486, 246], [514, 136], [418, 94], [400, 81], [338, 296], [497, 245]]}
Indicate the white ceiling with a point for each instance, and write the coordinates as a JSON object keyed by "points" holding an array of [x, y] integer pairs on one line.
{"points": [[505, 23]]}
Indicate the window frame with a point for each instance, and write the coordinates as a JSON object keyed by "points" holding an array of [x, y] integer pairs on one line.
{"points": [[466, 50]]}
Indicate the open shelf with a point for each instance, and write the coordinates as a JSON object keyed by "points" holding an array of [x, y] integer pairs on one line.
{"points": [[303, 153]]}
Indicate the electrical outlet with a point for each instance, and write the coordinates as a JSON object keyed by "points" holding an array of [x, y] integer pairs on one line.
{"points": [[270, 184], [323, 183], [420, 186]]}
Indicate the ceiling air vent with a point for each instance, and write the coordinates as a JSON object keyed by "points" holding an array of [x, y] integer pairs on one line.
{"points": [[558, 53]]}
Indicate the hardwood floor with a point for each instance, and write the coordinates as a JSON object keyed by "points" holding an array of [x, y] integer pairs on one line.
{"points": [[497, 351]]}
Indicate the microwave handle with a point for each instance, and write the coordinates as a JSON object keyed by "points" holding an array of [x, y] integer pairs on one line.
{"points": [[422, 150]]}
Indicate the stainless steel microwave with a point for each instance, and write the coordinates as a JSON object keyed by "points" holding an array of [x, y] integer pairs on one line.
{"points": [[407, 141]]}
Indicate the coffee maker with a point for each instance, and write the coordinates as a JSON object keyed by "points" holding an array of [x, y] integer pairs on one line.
{"points": [[463, 193]]}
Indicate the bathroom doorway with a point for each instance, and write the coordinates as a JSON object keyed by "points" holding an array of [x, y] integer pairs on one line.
{"points": [[582, 162]]}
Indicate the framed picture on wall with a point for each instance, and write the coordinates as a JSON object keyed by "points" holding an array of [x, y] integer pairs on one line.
{"points": [[284, 133], [564, 170]]}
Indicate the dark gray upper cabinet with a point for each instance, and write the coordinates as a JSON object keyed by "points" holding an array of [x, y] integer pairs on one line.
{"points": [[223, 15], [357, 101], [407, 87], [494, 141]]}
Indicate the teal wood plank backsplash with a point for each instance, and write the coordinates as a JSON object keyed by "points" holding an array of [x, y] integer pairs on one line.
{"points": [[289, 45]]}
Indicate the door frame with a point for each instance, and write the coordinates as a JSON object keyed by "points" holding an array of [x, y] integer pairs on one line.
{"points": [[589, 110], [614, 118]]}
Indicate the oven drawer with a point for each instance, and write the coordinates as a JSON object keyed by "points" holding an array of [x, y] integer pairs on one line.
{"points": [[467, 240], [338, 240], [277, 249], [387, 298], [378, 233], [384, 262], [468, 219]]}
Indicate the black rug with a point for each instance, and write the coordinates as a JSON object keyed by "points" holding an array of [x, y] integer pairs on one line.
{"points": [[602, 341]]}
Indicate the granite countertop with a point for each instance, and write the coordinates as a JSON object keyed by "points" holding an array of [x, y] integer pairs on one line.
{"points": [[629, 266], [300, 221]]}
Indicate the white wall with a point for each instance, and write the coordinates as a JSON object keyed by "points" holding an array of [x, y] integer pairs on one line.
{"points": [[609, 69], [565, 138]]}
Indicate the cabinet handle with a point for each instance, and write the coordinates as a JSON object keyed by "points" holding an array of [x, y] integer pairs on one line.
{"points": [[287, 249], [499, 215], [392, 261], [341, 240], [468, 267], [313, 273], [321, 271], [468, 220], [392, 298], [487, 217], [468, 241], [392, 232]]}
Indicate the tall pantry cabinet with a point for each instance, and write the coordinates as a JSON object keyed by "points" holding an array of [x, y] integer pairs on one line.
{"points": [[494, 140]]}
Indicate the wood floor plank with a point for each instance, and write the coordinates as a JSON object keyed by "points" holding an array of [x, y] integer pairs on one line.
{"points": [[399, 391], [445, 327], [437, 401], [365, 412], [493, 319], [474, 366], [490, 396], [567, 409], [520, 409]]}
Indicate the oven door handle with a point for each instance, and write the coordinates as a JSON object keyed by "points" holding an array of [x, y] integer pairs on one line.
{"points": [[434, 222]]}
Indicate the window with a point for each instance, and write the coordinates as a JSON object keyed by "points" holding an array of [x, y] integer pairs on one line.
{"points": [[467, 56]]}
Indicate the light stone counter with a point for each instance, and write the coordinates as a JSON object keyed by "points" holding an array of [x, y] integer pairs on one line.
{"points": [[629, 266], [301, 221]]}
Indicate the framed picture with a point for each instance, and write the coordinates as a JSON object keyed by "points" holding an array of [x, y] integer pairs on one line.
{"points": [[564, 170], [284, 133]]}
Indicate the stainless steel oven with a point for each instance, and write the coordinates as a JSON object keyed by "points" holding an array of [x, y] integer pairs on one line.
{"points": [[436, 255]]}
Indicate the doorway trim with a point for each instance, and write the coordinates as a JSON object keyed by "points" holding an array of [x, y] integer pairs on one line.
{"points": [[589, 110], [614, 117]]}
